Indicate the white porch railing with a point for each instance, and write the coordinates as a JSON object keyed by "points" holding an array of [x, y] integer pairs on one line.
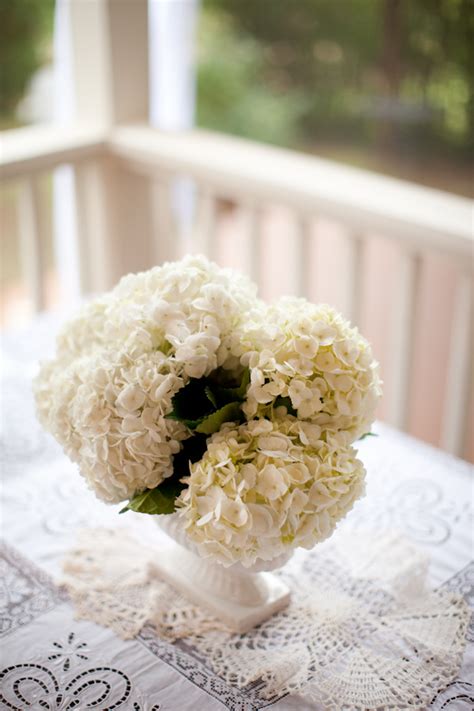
{"points": [[125, 220]]}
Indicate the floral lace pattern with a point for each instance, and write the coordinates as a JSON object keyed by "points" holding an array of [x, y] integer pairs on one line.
{"points": [[62, 674], [37, 686], [67, 664], [25, 592], [362, 631]]}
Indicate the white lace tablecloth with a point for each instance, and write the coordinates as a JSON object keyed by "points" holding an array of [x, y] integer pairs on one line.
{"points": [[412, 488]]}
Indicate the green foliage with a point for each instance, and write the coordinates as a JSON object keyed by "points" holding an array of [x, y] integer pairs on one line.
{"points": [[160, 500], [390, 73], [25, 27], [367, 434], [231, 95], [204, 404], [192, 450], [232, 412], [192, 403], [228, 392]]}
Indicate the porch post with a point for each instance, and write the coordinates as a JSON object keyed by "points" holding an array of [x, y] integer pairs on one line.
{"points": [[109, 69]]}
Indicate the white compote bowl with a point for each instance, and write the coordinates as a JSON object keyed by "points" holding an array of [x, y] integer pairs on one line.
{"points": [[238, 596]]}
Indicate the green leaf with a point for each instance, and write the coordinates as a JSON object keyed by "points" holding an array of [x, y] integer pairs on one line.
{"points": [[367, 434], [192, 451], [192, 424], [201, 398], [191, 403], [160, 500], [244, 383], [210, 396], [231, 412], [231, 394]]}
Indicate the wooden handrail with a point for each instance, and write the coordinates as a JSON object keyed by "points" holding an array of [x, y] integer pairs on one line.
{"points": [[40, 148], [420, 217], [366, 202]]}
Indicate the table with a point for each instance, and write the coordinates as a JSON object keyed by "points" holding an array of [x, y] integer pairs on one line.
{"points": [[424, 493]]}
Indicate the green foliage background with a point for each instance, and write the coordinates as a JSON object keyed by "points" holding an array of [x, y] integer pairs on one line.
{"points": [[297, 71], [26, 27]]}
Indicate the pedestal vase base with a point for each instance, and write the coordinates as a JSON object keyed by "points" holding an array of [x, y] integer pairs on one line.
{"points": [[238, 598]]}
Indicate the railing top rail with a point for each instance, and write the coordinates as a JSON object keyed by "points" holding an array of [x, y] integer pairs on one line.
{"points": [[35, 148], [364, 200], [419, 217]]}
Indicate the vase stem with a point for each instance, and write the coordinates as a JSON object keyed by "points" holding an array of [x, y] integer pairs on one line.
{"points": [[239, 598]]}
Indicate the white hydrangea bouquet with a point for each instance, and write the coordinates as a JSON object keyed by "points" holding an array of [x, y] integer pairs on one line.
{"points": [[180, 391]]}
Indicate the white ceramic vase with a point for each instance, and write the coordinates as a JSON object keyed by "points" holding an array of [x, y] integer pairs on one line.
{"points": [[238, 596]]}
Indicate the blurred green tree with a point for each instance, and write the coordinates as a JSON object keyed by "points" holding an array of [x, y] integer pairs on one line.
{"points": [[383, 72], [25, 30], [231, 95]]}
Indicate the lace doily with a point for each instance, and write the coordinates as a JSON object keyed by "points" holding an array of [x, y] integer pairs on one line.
{"points": [[362, 631]]}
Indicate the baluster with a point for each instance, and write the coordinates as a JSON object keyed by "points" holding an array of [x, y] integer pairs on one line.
{"points": [[354, 281], [32, 240], [206, 227], [165, 235], [404, 336], [93, 225], [303, 255], [459, 370], [254, 233], [65, 234], [83, 176]]}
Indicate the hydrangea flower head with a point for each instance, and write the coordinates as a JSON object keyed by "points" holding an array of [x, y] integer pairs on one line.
{"points": [[179, 388], [308, 356], [107, 394], [265, 487]]}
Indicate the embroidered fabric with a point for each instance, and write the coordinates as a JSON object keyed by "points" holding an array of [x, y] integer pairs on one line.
{"points": [[63, 676], [362, 632]]}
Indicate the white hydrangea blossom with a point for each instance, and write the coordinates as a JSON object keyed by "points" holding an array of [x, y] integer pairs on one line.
{"points": [[106, 396], [266, 487], [108, 412], [277, 481], [311, 355], [188, 309]]}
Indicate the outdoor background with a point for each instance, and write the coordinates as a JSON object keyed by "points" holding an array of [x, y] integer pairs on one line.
{"points": [[385, 85], [381, 84]]}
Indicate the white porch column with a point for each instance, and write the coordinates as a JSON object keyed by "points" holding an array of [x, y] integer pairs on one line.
{"points": [[103, 62], [172, 29], [65, 234]]}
